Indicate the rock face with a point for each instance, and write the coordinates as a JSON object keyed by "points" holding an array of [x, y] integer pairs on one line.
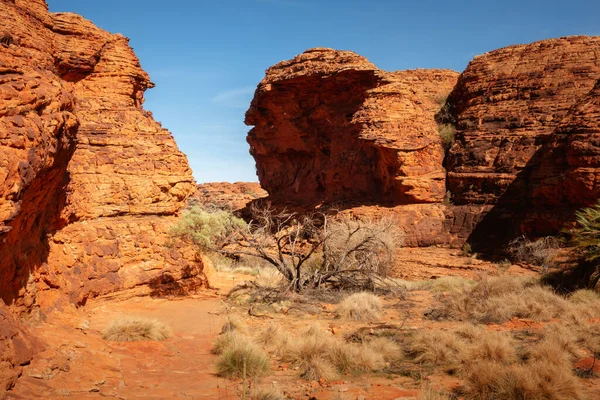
{"points": [[329, 126], [16, 350], [232, 196], [507, 105], [89, 183]]}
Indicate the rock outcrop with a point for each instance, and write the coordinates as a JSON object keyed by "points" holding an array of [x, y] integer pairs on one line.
{"points": [[89, 183], [330, 127], [232, 196], [506, 106]]}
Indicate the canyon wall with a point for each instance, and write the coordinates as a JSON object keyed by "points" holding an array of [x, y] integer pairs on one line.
{"points": [[90, 184]]}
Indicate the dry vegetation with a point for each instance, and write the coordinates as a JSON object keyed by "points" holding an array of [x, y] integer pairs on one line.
{"points": [[362, 306], [132, 329], [535, 362]]}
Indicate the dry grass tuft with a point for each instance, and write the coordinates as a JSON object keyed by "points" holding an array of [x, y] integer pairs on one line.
{"points": [[266, 393], [228, 339], [535, 380], [315, 369], [428, 392], [389, 349], [361, 306], [586, 296], [233, 324], [236, 353], [133, 329], [437, 349], [494, 346], [540, 252], [270, 336]]}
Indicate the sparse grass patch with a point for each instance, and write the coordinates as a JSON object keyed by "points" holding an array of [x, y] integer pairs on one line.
{"points": [[132, 329], [428, 392], [497, 299], [586, 296], [361, 306]]}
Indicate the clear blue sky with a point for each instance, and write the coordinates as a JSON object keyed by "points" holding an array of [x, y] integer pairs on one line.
{"points": [[206, 57]]}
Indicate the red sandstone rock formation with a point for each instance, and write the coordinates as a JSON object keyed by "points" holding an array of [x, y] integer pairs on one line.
{"points": [[329, 126], [233, 196], [507, 104], [89, 182]]}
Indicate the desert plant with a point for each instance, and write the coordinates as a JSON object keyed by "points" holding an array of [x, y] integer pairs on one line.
{"points": [[207, 227], [428, 392], [362, 306], [540, 252], [307, 250], [242, 356], [447, 133], [131, 329]]}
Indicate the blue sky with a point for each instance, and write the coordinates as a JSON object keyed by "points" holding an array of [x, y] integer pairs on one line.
{"points": [[206, 57]]}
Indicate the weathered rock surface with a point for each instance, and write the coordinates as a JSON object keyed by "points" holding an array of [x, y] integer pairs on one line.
{"points": [[16, 350], [507, 105], [232, 196], [89, 182], [329, 126]]}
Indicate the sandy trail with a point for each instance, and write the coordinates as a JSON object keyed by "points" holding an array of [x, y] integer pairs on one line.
{"points": [[79, 364]]}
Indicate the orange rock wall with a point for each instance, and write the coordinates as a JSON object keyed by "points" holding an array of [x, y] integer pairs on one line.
{"points": [[89, 183], [232, 196]]}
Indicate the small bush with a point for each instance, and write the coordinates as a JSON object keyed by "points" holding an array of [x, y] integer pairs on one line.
{"points": [[359, 307], [447, 134], [132, 329], [206, 227], [428, 392], [230, 363], [540, 252]]}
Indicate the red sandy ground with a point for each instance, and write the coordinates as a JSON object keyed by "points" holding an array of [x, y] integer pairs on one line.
{"points": [[78, 364]]}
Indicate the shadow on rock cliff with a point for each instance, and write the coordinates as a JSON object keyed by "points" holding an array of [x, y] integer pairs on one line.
{"points": [[25, 247], [168, 285]]}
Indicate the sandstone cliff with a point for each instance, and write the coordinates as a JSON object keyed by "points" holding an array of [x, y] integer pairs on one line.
{"points": [[89, 183], [329, 126]]}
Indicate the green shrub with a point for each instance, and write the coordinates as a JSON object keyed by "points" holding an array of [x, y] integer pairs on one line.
{"points": [[206, 227], [447, 134]]}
